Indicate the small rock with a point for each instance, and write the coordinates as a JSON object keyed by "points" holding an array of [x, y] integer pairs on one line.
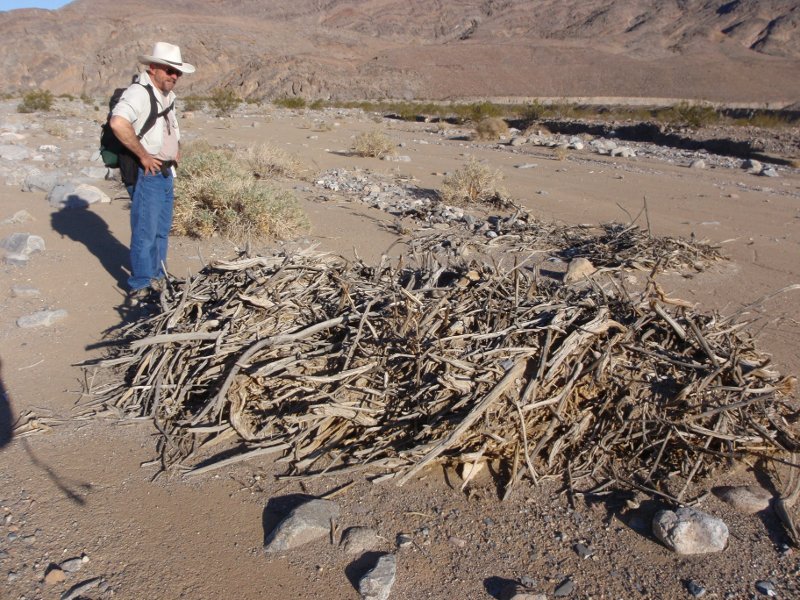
{"points": [[752, 165], [307, 522], [457, 541], [17, 260], [518, 141], [519, 591], [23, 243], [23, 291], [583, 550], [82, 195], [72, 565], [695, 589], [766, 588], [54, 576], [470, 470], [95, 172], [42, 318], [357, 540], [77, 590], [698, 163], [565, 588], [578, 270], [11, 152], [21, 216], [768, 172], [526, 166], [748, 499], [404, 540], [377, 583], [398, 158], [12, 576], [690, 531]]}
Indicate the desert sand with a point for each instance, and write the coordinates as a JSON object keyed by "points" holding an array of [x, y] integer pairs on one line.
{"points": [[85, 487]]}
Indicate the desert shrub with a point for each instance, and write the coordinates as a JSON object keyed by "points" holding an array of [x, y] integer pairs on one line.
{"points": [[477, 112], [224, 101], [36, 101], [216, 194], [473, 183], [57, 129], [533, 111], [561, 152], [193, 103], [373, 143], [691, 115], [68, 97], [290, 102], [87, 99], [267, 161], [765, 120], [491, 128]]}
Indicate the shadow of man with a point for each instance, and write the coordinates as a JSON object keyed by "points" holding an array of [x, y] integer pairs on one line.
{"points": [[6, 427], [88, 228]]}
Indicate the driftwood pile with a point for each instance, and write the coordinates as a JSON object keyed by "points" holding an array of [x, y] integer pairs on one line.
{"points": [[341, 366]]}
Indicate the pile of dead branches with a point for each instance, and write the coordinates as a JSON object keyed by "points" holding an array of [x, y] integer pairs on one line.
{"points": [[341, 366], [608, 245]]}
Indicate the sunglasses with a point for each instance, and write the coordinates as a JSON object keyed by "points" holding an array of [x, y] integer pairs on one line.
{"points": [[172, 72]]}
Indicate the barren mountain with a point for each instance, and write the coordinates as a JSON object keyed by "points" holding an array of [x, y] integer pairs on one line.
{"points": [[737, 51]]}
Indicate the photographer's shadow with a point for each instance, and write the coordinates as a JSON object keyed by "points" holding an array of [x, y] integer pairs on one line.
{"points": [[88, 228]]}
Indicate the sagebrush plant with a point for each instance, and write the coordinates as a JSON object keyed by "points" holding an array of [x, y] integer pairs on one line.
{"points": [[224, 101], [374, 143], [215, 194], [265, 161], [36, 101], [561, 152], [491, 129], [193, 103], [57, 129], [690, 114], [290, 102], [471, 184]]}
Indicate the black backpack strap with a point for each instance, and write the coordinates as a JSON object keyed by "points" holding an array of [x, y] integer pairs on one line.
{"points": [[154, 114]]}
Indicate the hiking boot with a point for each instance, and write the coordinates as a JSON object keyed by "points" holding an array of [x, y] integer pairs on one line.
{"points": [[138, 297], [158, 285]]}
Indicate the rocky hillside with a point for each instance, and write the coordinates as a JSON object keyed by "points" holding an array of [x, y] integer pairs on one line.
{"points": [[736, 51]]}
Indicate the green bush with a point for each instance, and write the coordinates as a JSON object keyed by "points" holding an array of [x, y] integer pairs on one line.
{"points": [[491, 129], [691, 115], [373, 144], [224, 101], [473, 183], [217, 195], [290, 102], [317, 104], [193, 103], [36, 101]]}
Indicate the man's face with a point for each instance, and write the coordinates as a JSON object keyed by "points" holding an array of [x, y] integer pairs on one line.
{"points": [[164, 77]]}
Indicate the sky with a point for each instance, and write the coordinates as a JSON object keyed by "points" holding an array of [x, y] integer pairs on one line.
{"points": [[10, 4]]}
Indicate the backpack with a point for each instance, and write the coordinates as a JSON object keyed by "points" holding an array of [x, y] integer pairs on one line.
{"points": [[113, 152]]}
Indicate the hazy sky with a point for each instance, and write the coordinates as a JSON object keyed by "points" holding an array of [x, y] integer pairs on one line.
{"points": [[10, 4]]}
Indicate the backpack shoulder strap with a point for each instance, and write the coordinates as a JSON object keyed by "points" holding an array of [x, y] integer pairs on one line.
{"points": [[154, 114]]}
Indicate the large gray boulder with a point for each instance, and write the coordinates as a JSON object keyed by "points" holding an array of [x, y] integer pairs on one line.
{"points": [[69, 195], [308, 522], [377, 583], [690, 531]]}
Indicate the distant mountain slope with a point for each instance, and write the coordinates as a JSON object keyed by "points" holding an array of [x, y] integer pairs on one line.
{"points": [[742, 50]]}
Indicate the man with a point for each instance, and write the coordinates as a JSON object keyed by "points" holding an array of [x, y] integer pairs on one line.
{"points": [[156, 154]]}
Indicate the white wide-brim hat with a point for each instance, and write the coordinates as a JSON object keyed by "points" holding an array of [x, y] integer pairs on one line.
{"points": [[167, 54]]}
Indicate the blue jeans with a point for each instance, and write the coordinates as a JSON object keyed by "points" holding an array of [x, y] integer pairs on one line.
{"points": [[151, 219]]}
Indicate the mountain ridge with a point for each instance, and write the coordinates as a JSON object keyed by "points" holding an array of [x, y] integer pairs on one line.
{"points": [[738, 51]]}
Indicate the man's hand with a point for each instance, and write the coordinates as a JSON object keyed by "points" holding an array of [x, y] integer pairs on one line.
{"points": [[125, 133]]}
